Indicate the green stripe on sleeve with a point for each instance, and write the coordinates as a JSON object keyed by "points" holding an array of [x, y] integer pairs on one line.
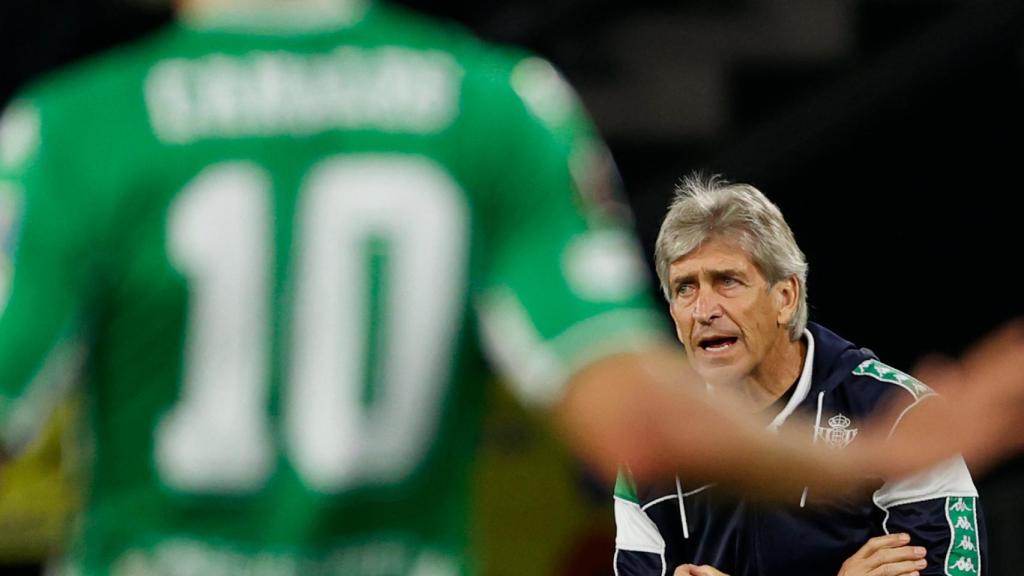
{"points": [[963, 557], [625, 487], [884, 373]]}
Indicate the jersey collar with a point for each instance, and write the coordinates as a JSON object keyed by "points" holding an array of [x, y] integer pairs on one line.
{"points": [[274, 16]]}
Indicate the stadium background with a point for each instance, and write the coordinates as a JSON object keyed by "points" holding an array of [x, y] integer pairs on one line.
{"points": [[889, 132]]}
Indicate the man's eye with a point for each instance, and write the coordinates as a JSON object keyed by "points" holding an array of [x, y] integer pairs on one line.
{"points": [[684, 289], [729, 281]]}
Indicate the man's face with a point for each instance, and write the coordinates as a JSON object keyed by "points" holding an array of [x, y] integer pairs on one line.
{"points": [[727, 317]]}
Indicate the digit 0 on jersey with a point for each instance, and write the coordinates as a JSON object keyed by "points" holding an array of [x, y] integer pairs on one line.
{"points": [[278, 252]]}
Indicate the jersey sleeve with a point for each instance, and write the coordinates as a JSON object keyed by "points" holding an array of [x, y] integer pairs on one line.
{"points": [[565, 281], [39, 276]]}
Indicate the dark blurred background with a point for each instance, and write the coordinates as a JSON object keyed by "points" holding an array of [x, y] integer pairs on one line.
{"points": [[886, 130]]}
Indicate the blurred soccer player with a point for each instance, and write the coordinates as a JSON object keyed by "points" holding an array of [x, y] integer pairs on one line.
{"points": [[278, 232]]}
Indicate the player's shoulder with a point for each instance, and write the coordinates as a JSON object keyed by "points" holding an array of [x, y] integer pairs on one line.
{"points": [[80, 116], [98, 80], [92, 106]]}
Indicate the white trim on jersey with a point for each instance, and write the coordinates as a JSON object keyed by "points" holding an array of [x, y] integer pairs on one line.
{"points": [[537, 370], [24, 417], [515, 348]]}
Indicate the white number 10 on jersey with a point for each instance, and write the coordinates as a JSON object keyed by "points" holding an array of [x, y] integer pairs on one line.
{"points": [[219, 437]]}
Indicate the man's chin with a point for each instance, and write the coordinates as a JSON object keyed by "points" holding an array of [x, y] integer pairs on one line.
{"points": [[722, 375]]}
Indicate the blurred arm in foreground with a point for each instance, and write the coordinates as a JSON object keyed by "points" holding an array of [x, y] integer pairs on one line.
{"points": [[659, 426], [977, 412]]}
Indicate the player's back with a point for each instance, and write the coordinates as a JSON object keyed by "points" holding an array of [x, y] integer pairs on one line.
{"points": [[279, 227], [280, 244]]}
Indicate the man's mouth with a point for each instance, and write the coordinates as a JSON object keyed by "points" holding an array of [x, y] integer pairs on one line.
{"points": [[717, 343]]}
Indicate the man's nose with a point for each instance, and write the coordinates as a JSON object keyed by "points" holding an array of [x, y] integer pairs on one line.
{"points": [[706, 308]]}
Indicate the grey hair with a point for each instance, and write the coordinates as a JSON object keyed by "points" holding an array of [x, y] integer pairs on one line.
{"points": [[706, 207]]}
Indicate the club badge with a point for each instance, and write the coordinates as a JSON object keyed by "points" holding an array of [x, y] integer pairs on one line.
{"points": [[838, 434]]}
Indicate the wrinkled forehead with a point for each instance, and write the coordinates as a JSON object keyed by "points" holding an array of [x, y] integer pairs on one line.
{"points": [[715, 254]]}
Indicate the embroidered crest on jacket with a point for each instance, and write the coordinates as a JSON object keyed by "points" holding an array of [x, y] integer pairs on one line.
{"points": [[838, 434]]}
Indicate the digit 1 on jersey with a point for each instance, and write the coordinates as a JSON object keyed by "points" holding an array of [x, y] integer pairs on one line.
{"points": [[217, 438]]}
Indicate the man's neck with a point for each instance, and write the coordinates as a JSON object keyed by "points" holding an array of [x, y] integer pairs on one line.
{"points": [[325, 11], [776, 374], [203, 5]]}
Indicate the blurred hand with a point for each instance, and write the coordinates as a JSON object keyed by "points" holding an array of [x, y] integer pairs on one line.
{"points": [[691, 570], [885, 556], [985, 394], [979, 411]]}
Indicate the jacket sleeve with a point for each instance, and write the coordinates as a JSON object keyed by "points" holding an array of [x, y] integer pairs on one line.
{"points": [[940, 510], [937, 507], [639, 545]]}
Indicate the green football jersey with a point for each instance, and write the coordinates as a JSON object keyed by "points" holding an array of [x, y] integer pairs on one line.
{"points": [[277, 254]]}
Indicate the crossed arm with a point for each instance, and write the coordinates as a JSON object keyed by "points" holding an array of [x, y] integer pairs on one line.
{"points": [[889, 555]]}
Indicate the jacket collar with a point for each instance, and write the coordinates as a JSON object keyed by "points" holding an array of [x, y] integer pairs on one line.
{"points": [[829, 359], [803, 384]]}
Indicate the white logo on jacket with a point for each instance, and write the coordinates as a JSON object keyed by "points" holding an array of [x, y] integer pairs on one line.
{"points": [[838, 434]]}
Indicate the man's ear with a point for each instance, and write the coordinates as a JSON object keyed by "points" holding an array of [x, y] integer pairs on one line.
{"points": [[786, 294]]}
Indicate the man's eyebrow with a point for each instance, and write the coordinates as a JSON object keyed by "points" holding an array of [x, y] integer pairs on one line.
{"points": [[716, 275], [683, 279], [727, 273]]}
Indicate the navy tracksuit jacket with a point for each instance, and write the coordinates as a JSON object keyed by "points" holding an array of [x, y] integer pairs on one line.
{"points": [[661, 527]]}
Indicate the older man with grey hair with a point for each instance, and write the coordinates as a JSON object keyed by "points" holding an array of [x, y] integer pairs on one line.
{"points": [[736, 284]]}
